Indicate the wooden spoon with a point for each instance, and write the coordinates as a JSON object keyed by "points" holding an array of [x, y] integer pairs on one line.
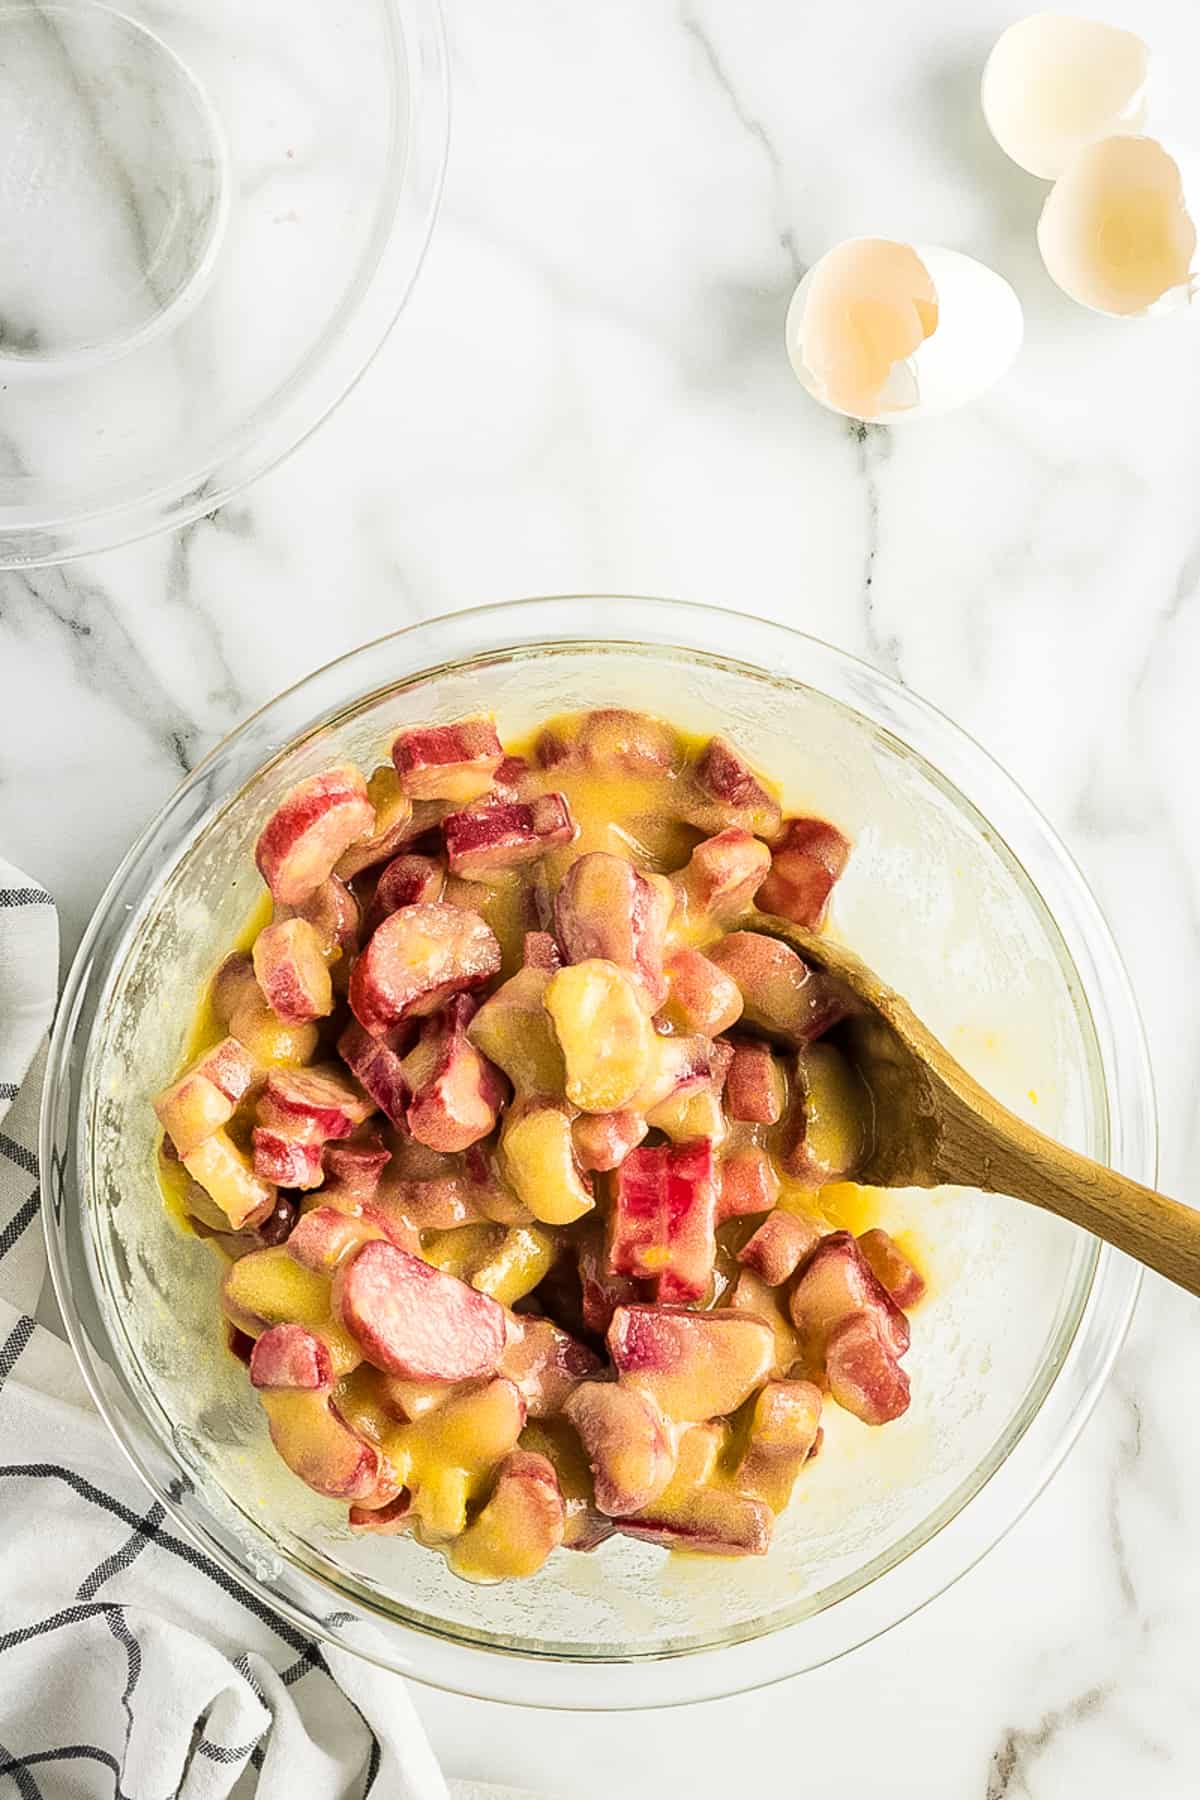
{"points": [[935, 1126]]}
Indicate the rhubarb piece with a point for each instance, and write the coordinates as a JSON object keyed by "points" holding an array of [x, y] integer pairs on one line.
{"points": [[514, 1031], [603, 1031], [517, 1529], [837, 1282], [662, 1219], [750, 1294], [515, 1266], [456, 1092], [416, 961], [601, 1292], [392, 829], [206, 1095], [232, 986], [355, 1169], [316, 822], [539, 1160], [863, 1374], [412, 1320], [271, 1042], [333, 913], [722, 790], [630, 743], [546, 1363], [553, 1438], [326, 1236], [394, 1519], [890, 1266], [782, 1242], [502, 834], [781, 995], [783, 1433], [511, 780], [286, 1163], [678, 1065], [489, 1191], [749, 1183], [604, 1140], [448, 1456], [314, 1106], [693, 1515], [722, 876], [317, 1445], [460, 1251], [700, 997], [448, 762], [288, 1356], [227, 1178], [627, 1443], [755, 1090], [539, 951], [408, 880], [688, 1114], [607, 910], [378, 1068], [805, 863], [268, 1287], [830, 1132], [695, 1365]]}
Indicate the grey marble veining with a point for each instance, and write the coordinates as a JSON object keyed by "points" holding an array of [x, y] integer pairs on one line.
{"points": [[588, 391]]}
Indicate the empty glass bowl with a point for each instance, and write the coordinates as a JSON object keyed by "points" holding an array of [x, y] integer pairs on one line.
{"points": [[957, 893], [210, 216]]}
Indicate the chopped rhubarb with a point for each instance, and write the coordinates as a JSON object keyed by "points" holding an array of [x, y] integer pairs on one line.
{"points": [[356, 1168], [837, 1281], [286, 1162], [317, 1445], [314, 1106], [722, 790], [783, 1435], [495, 835], [607, 910], [755, 1090], [514, 1031], [456, 1091], [393, 827], [448, 762], [863, 1373], [700, 997], [603, 1031], [662, 1220], [518, 1527], [722, 876], [540, 1162], [414, 1321], [290, 968], [890, 1266], [627, 1443], [604, 1140], [693, 1514], [781, 995], [288, 1356], [378, 1068], [227, 1177], [806, 861], [749, 1183], [546, 1363], [333, 913], [601, 1292], [539, 951], [416, 961], [408, 880], [696, 1365], [315, 824], [781, 1243], [206, 1095], [833, 1118]]}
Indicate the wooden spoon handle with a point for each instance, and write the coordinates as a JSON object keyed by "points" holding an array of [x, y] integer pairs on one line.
{"points": [[1003, 1155]]}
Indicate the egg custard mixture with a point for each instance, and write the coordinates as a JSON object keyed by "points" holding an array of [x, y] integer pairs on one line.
{"points": [[517, 1140]]}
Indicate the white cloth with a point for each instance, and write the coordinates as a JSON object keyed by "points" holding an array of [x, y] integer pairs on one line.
{"points": [[131, 1666]]}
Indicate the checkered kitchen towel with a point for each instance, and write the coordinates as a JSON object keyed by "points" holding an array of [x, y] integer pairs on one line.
{"points": [[131, 1666]]}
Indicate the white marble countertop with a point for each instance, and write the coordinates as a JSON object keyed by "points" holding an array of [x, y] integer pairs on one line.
{"points": [[588, 392]]}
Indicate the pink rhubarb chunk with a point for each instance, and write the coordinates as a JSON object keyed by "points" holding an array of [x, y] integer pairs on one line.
{"points": [[805, 863], [662, 1218], [315, 823], [696, 1365], [448, 762], [503, 834], [415, 1321], [288, 1356], [417, 960]]}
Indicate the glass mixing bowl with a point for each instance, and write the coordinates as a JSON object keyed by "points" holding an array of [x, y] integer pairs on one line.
{"points": [[958, 893], [211, 213]]}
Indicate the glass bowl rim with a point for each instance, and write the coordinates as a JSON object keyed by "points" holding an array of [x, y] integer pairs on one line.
{"points": [[644, 1679], [36, 536]]}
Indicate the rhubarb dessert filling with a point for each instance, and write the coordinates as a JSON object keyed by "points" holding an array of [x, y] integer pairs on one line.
{"points": [[517, 1141]]}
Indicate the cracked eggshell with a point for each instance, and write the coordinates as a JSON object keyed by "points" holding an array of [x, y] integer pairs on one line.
{"points": [[978, 333], [1120, 229], [1054, 84]]}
